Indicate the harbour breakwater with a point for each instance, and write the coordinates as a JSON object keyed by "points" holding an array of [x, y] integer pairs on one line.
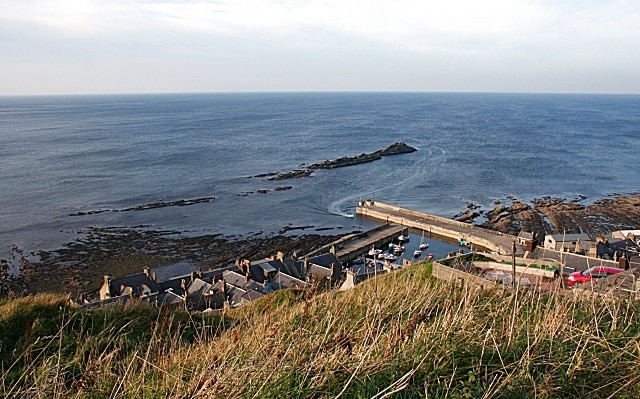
{"points": [[436, 225]]}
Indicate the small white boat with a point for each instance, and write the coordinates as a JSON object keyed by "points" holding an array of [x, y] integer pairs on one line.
{"points": [[423, 243], [403, 238], [390, 257], [349, 215], [374, 251], [398, 249], [417, 253]]}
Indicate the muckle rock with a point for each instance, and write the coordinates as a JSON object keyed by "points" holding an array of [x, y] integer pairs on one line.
{"points": [[396, 148]]}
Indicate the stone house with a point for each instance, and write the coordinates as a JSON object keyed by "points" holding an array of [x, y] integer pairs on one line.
{"points": [[323, 266], [136, 285], [568, 242]]}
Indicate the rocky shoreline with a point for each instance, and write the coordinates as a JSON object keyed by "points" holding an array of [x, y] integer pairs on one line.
{"points": [[78, 267], [550, 215], [150, 205]]}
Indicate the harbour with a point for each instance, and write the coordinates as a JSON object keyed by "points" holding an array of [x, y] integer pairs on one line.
{"points": [[435, 225]]}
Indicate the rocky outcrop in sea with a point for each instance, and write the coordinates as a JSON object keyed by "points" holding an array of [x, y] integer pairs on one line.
{"points": [[394, 149]]}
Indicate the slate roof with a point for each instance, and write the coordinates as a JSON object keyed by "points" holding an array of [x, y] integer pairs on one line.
{"points": [[199, 288], [135, 281], [260, 270], [283, 281], [210, 275], [569, 237], [234, 295], [175, 284], [526, 235], [324, 260], [170, 299], [240, 281]]}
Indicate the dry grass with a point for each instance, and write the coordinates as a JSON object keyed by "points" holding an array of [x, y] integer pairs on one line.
{"points": [[401, 335]]}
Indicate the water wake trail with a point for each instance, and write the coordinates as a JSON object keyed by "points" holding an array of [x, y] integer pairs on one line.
{"points": [[421, 168]]}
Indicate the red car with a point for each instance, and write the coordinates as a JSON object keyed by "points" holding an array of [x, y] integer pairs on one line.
{"points": [[592, 273]]}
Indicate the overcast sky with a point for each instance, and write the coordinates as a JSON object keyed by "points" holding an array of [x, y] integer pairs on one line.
{"points": [[140, 46]]}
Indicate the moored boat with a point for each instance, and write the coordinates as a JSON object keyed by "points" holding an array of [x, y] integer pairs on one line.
{"points": [[423, 243]]}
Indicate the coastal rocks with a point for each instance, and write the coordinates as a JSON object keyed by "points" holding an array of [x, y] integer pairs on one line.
{"points": [[288, 228], [515, 218], [294, 174], [393, 149], [467, 217], [264, 191], [150, 205], [551, 215], [470, 214]]}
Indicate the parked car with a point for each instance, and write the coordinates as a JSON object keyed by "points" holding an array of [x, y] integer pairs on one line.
{"points": [[593, 273]]}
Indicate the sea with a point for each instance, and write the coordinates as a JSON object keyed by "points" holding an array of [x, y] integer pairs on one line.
{"points": [[69, 163]]}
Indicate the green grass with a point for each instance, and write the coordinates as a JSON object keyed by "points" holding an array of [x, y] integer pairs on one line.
{"points": [[401, 335]]}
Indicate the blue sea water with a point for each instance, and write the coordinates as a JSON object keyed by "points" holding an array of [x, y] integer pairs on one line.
{"points": [[62, 156]]}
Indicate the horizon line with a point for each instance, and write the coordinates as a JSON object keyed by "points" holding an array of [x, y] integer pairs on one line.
{"points": [[89, 94]]}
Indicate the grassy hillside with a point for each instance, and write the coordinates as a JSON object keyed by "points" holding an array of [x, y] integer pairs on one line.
{"points": [[401, 335]]}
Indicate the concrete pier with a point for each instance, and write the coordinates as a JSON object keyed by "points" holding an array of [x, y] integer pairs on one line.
{"points": [[432, 224], [353, 246]]}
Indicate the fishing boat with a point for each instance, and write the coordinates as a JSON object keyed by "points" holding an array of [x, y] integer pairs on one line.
{"points": [[417, 253], [390, 257], [429, 257], [398, 249], [374, 251]]}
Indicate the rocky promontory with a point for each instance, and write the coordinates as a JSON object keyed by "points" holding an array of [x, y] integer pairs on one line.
{"points": [[393, 149]]}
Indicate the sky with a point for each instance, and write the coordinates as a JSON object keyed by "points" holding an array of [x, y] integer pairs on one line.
{"points": [[157, 46]]}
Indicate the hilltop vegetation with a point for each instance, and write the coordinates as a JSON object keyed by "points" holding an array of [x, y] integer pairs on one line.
{"points": [[404, 334]]}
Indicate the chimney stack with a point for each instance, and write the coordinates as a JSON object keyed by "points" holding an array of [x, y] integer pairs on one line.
{"points": [[246, 268], [305, 267]]}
